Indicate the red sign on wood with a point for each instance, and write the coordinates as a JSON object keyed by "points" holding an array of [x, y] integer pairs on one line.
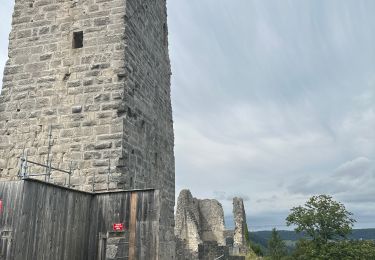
{"points": [[118, 227]]}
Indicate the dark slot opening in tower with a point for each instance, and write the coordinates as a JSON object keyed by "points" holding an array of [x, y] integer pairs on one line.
{"points": [[77, 40]]}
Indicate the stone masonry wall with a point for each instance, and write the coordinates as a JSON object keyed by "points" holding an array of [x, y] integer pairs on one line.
{"points": [[77, 92], [187, 227], [109, 99], [240, 225], [148, 142], [212, 221], [197, 222]]}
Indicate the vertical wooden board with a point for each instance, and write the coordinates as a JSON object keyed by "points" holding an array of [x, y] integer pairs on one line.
{"points": [[133, 226]]}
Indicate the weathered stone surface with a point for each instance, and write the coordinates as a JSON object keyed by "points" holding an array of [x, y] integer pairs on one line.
{"points": [[122, 70], [240, 225], [211, 250], [188, 224], [212, 221], [197, 222]]}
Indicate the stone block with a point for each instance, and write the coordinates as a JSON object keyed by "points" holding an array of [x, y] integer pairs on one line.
{"points": [[103, 145], [91, 155]]}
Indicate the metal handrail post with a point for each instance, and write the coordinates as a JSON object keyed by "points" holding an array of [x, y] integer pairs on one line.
{"points": [[109, 172], [93, 183], [70, 173], [24, 172], [48, 170]]}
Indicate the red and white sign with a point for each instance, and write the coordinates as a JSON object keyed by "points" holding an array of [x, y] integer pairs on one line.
{"points": [[118, 227]]}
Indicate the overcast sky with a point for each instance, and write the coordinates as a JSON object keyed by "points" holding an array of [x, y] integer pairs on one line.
{"points": [[273, 101]]}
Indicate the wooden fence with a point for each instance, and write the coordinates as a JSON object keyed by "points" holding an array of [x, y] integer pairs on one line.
{"points": [[40, 220]]}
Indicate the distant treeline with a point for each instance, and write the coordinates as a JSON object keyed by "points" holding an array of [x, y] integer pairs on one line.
{"points": [[261, 237]]}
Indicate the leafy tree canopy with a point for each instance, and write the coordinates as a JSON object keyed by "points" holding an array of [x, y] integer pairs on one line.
{"points": [[338, 250], [322, 218]]}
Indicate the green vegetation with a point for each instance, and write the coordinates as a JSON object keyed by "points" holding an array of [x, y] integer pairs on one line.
{"points": [[340, 250], [255, 250], [322, 219], [327, 223], [276, 246], [323, 229], [290, 237]]}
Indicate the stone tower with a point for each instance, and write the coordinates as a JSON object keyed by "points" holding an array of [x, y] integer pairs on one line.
{"points": [[240, 226], [97, 73]]}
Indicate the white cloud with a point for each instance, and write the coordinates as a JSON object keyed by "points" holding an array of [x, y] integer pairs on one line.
{"points": [[6, 9]]}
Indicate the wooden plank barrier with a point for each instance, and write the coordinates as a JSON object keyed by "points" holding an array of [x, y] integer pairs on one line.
{"points": [[40, 220]]}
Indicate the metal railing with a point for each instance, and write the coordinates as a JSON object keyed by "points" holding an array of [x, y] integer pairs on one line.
{"points": [[25, 165], [25, 173]]}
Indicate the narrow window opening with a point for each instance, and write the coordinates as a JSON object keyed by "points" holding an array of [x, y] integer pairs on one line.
{"points": [[77, 40]]}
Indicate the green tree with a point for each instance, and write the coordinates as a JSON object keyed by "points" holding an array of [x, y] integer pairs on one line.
{"points": [[276, 246], [253, 247], [322, 219], [337, 250], [256, 248]]}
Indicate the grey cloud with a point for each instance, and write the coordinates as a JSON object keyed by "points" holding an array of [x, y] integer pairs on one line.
{"points": [[268, 200], [355, 168], [353, 181], [358, 196], [223, 195]]}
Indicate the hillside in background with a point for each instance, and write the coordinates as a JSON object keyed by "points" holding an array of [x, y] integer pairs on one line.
{"points": [[261, 237]]}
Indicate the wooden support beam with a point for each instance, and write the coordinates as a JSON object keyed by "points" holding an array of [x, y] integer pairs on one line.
{"points": [[133, 226]]}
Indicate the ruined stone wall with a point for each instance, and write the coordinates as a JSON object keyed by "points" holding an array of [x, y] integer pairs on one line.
{"points": [[240, 225], [187, 228], [211, 250], [212, 221], [109, 99], [197, 222]]}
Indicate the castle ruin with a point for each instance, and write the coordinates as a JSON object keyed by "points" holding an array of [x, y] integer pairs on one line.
{"points": [[200, 229], [197, 221], [240, 235]]}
